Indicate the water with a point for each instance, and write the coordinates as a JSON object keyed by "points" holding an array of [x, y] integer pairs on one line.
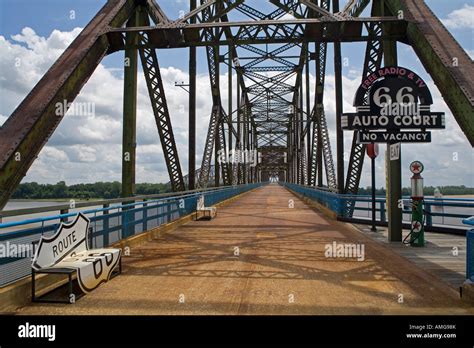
{"points": [[24, 204], [13, 204], [436, 220]]}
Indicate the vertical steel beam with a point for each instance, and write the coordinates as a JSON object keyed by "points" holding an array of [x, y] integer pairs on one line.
{"points": [[308, 117], [244, 130], [302, 148], [34, 121], [339, 111], [216, 114], [287, 158], [296, 138], [129, 132], [319, 152], [159, 104], [373, 61], [296, 133], [229, 110], [239, 135], [394, 169], [216, 87], [217, 177], [192, 111], [293, 144]]}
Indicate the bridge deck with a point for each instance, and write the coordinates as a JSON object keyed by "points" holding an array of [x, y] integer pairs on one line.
{"points": [[281, 259]]}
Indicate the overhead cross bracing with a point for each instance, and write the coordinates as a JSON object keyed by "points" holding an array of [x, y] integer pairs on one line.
{"points": [[277, 49]]}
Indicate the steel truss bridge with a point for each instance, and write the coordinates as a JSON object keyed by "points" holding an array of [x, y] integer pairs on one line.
{"points": [[273, 53]]}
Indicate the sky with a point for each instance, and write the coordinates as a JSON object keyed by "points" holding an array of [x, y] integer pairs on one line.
{"points": [[33, 34]]}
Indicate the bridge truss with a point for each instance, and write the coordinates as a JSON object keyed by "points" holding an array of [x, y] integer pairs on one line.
{"points": [[278, 54]]}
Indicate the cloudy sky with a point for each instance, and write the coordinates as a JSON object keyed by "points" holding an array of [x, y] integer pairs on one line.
{"points": [[34, 33]]}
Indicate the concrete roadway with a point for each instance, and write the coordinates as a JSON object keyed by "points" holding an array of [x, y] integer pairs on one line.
{"points": [[261, 257]]}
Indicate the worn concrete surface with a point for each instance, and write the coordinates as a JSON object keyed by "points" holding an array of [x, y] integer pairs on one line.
{"points": [[444, 254], [261, 257]]}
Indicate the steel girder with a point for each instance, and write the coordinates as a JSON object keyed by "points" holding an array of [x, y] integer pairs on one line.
{"points": [[268, 102], [373, 61], [156, 91], [264, 32], [197, 174], [226, 168], [320, 130], [218, 117], [209, 146], [443, 58], [32, 123], [216, 114], [314, 151], [209, 11], [155, 12], [354, 8], [27, 130], [320, 73], [296, 146], [327, 152]]}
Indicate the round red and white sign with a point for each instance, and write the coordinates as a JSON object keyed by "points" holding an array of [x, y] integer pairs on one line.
{"points": [[416, 226], [416, 167]]}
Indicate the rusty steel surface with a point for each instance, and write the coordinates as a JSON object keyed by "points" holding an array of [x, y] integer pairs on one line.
{"points": [[445, 60], [445, 46], [30, 126], [28, 112], [260, 256]]}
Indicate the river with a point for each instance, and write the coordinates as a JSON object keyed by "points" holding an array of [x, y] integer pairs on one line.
{"points": [[24, 204]]}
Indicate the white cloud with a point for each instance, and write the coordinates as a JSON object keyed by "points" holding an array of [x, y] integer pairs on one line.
{"points": [[88, 148], [55, 154], [462, 18]]}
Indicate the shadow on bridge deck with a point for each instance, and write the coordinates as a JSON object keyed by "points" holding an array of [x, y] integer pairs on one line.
{"points": [[261, 257]]}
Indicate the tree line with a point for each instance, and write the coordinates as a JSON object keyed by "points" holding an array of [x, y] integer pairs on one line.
{"points": [[427, 190], [105, 190], [109, 190]]}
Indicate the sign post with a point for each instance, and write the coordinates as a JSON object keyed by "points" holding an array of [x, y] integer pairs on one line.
{"points": [[372, 152], [393, 106], [394, 151]]}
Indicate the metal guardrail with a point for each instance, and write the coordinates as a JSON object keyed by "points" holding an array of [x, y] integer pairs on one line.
{"points": [[469, 249], [106, 202], [327, 198], [109, 224], [436, 209]]}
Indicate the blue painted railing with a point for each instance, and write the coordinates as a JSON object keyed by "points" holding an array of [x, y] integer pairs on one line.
{"points": [[439, 211], [109, 225], [470, 249], [329, 199]]}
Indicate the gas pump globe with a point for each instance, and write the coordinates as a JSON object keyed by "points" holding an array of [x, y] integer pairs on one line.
{"points": [[417, 234], [416, 186]]}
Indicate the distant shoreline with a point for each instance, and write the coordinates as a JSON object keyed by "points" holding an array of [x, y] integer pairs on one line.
{"points": [[19, 200], [458, 196], [53, 199]]}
